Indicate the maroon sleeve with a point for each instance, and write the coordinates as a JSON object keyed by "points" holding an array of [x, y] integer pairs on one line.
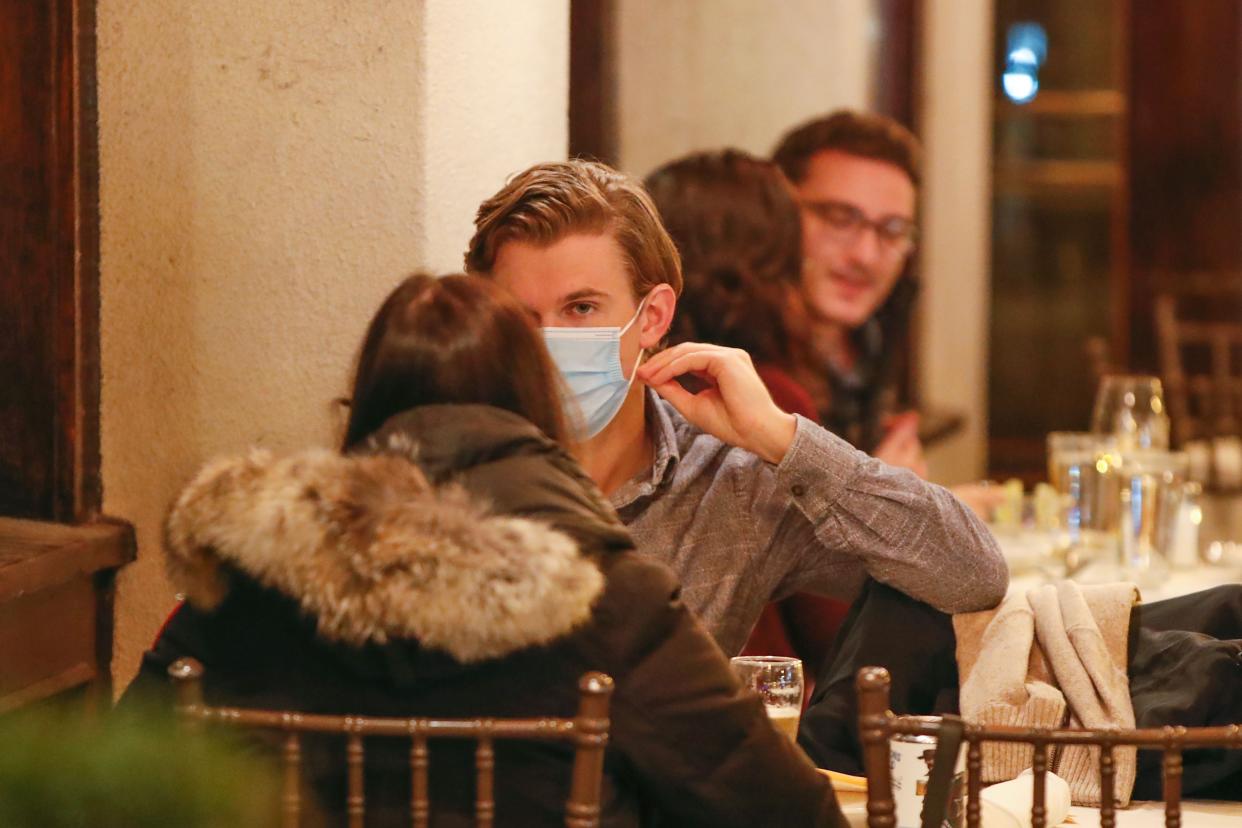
{"points": [[769, 636], [786, 392]]}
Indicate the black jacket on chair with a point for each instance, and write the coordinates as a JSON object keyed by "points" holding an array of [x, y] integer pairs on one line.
{"points": [[463, 565]]}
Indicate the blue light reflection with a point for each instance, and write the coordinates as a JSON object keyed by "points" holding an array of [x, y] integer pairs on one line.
{"points": [[1026, 48]]}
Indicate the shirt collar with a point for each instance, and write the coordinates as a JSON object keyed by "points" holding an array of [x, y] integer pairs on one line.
{"points": [[667, 453], [869, 344]]}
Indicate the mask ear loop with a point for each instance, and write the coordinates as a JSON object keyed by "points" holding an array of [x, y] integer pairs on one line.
{"points": [[641, 351]]}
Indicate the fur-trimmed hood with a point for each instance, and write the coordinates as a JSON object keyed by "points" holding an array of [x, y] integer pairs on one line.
{"points": [[375, 553]]}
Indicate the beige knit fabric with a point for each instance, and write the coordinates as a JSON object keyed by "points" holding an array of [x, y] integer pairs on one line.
{"points": [[1053, 648]]}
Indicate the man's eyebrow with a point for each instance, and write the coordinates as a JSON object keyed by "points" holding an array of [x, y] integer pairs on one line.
{"points": [[584, 293], [832, 202]]}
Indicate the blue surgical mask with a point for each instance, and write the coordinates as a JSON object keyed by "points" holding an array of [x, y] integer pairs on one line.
{"points": [[590, 363]]}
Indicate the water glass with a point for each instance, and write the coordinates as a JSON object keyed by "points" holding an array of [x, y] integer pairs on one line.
{"points": [[778, 681], [1152, 487], [1131, 408], [1081, 467]]}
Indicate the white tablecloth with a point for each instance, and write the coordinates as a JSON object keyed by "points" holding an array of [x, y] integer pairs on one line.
{"points": [[1151, 815], [1176, 584], [1138, 815]]}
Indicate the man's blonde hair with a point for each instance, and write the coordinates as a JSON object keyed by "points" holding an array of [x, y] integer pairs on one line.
{"points": [[550, 201]]}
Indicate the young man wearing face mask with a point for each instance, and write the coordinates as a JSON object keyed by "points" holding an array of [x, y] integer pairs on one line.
{"points": [[745, 502]]}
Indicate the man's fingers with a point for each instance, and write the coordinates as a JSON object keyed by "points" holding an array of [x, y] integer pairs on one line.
{"points": [[675, 394], [656, 362], [704, 362], [663, 357]]}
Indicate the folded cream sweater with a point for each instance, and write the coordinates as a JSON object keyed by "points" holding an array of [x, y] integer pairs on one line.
{"points": [[1053, 649]]}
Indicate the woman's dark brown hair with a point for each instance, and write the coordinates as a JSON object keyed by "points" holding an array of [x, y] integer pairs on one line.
{"points": [[738, 230], [453, 339]]}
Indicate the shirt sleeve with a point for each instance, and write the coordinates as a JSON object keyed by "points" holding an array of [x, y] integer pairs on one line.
{"points": [[844, 514]]}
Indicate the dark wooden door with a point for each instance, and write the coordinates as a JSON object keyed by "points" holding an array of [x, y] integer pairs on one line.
{"points": [[1185, 137], [1058, 224], [1126, 166]]}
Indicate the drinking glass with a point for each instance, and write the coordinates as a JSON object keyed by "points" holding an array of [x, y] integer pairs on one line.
{"points": [[1132, 409], [778, 681], [1081, 467], [1152, 487]]}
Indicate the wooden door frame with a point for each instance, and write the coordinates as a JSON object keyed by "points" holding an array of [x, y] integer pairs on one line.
{"points": [[79, 485], [58, 557]]}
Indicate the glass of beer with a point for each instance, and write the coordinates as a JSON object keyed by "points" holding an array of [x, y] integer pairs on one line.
{"points": [[778, 681]]}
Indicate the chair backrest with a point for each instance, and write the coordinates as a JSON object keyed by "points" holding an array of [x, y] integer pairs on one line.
{"points": [[1199, 333], [877, 725], [587, 731]]}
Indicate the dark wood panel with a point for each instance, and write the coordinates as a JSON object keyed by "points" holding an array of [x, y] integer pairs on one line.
{"points": [[35, 555], [47, 642], [56, 580], [1185, 148], [79, 485], [592, 80], [56, 608], [48, 261], [898, 57], [27, 360]]}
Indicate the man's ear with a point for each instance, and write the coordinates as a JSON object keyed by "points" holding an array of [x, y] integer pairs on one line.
{"points": [[657, 316]]}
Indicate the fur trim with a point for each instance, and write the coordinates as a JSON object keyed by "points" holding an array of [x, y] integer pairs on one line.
{"points": [[374, 553]]}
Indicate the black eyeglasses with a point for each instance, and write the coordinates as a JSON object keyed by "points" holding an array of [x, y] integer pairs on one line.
{"points": [[895, 233]]}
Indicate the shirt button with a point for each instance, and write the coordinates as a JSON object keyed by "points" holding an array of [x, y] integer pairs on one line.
{"points": [[798, 489]]}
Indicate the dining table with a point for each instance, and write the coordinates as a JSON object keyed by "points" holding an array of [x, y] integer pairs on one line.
{"points": [[1029, 553]]}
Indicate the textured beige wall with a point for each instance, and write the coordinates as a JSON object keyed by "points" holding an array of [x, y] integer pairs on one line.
{"points": [[704, 75], [268, 172], [956, 242]]}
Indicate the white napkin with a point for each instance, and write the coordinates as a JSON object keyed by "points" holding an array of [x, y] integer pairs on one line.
{"points": [[1008, 804]]}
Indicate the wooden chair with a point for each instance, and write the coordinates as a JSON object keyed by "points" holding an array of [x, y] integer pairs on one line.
{"points": [[588, 731], [877, 725], [1199, 334]]}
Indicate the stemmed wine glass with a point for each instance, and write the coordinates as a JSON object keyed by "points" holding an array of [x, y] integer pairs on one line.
{"points": [[1131, 408]]}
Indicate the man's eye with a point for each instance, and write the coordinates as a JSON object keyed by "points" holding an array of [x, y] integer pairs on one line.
{"points": [[897, 229], [581, 308], [840, 216]]}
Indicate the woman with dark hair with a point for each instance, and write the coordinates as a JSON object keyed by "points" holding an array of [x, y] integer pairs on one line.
{"points": [[452, 341], [738, 230], [454, 561], [739, 234]]}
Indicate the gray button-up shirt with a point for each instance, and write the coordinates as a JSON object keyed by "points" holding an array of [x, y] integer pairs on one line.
{"points": [[741, 532]]}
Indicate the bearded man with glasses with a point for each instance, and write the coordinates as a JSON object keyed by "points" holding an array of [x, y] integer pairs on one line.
{"points": [[856, 177]]}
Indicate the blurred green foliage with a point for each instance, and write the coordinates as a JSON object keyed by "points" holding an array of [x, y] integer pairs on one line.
{"points": [[131, 770]]}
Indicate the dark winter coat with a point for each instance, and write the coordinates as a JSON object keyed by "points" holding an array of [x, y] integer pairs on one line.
{"points": [[463, 565]]}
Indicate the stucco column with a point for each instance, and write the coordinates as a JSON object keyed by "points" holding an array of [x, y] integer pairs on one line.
{"points": [[956, 226], [268, 172]]}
